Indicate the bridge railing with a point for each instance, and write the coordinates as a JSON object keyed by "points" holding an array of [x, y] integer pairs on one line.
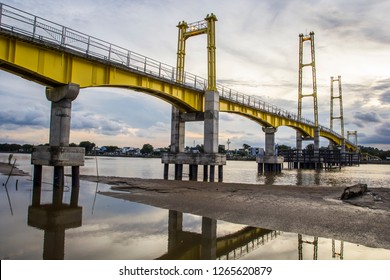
{"points": [[46, 31], [38, 28]]}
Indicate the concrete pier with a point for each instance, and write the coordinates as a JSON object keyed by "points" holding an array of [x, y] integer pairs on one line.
{"points": [[210, 158], [58, 153], [303, 160], [209, 161], [270, 161]]}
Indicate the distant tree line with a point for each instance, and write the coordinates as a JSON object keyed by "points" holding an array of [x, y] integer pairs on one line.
{"points": [[375, 152], [148, 149], [16, 148]]}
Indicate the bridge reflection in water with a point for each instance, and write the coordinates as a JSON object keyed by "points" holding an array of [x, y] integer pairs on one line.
{"points": [[56, 217], [185, 245]]}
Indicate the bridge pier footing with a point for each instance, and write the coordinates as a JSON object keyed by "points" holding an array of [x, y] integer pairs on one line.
{"points": [[270, 161], [210, 158], [58, 154], [209, 162]]}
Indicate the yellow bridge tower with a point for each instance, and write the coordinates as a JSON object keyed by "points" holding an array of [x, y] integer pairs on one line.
{"points": [[341, 115], [312, 64], [210, 113]]}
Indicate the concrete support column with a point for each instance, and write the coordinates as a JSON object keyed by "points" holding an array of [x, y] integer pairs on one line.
{"points": [[166, 171], [342, 152], [37, 180], [177, 132], [269, 140], [178, 172], [37, 185], [211, 127], [193, 172], [317, 131], [74, 197], [299, 142], [54, 244], [270, 161], [58, 185], [209, 239], [317, 160], [205, 173], [177, 139], [61, 105], [58, 154], [175, 227], [220, 173], [61, 108], [211, 122], [299, 150], [212, 173]]}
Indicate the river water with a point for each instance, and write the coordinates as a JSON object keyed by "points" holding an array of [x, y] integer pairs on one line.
{"points": [[107, 228]]}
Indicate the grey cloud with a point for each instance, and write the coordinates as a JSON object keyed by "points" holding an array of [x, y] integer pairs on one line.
{"points": [[19, 118], [384, 129], [358, 124], [382, 84], [385, 97], [98, 124], [371, 117], [381, 135]]}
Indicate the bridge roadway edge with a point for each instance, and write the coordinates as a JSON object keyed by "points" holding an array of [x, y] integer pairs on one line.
{"points": [[310, 210]]}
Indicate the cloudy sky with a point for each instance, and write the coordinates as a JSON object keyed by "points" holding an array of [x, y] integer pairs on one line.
{"points": [[257, 54]]}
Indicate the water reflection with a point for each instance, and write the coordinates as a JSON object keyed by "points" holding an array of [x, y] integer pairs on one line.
{"points": [[125, 230], [54, 219], [311, 244], [337, 254], [185, 245], [302, 241]]}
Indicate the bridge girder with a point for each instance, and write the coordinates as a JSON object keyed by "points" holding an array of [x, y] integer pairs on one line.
{"points": [[54, 67], [265, 118]]}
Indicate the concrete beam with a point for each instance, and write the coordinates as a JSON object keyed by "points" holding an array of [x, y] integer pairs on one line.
{"points": [[270, 159], [198, 159], [192, 117], [58, 156]]}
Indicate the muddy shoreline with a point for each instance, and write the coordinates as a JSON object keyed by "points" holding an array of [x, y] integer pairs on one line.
{"points": [[310, 210], [6, 168]]}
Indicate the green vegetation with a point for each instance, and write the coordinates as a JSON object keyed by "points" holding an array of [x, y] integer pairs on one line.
{"points": [[375, 152]]}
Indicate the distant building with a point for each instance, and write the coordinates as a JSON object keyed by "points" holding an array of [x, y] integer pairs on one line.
{"points": [[255, 151], [130, 151]]}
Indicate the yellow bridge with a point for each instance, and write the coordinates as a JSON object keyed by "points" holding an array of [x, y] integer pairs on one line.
{"points": [[53, 55]]}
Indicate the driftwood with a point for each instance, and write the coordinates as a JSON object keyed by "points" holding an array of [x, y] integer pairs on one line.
{"points": [[353, 191]]}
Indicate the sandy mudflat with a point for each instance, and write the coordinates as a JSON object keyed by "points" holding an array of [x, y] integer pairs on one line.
{"points": [[310, 210], [5, 169]]}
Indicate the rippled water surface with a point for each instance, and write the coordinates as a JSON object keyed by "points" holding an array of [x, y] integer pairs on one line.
{"points": [[106, 228]]}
